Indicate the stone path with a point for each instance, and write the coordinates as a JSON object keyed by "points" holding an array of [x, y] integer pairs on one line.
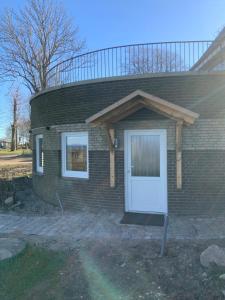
{"points": [[104, 225]]}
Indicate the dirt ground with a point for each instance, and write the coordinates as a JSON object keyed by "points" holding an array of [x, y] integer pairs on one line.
{"points": [[132, 270], [12, 160], [125, 269]]}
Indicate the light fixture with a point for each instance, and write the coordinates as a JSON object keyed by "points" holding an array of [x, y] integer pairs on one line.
{"points": [[116, 143]]}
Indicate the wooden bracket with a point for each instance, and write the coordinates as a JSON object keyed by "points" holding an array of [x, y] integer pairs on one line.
{"points": [[179, 126], [110, 136], [110, 132]]}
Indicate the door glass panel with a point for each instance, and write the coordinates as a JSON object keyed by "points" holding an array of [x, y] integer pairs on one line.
{"points": [[145, 155]]}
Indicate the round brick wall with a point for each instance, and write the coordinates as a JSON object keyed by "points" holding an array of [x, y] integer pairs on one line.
{"points": [[66, 109]]}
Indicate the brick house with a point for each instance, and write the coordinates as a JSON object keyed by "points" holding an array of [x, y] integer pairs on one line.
{"points": [[147, 140]]}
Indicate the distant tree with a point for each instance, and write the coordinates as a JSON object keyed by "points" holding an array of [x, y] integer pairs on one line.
{"points": [[35, 39], [23, 128], [8, 134], [153, 61]]}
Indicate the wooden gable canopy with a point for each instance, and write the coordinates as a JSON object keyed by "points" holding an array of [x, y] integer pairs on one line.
{"points": [[137, 100], [132, 103]]}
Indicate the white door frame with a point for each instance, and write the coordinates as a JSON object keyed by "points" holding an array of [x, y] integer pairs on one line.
{"points": [[163, 163]]}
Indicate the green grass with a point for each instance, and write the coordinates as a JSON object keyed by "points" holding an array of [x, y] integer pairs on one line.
{"points": [[17, 152], [33, 270]]}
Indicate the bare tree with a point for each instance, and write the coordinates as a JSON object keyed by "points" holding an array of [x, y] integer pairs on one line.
{"points": [[35, 39], [15, 116], [18, 132], [153, 60]]}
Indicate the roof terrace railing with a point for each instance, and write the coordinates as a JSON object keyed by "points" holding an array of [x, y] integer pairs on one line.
{"points": [[129, 60]]}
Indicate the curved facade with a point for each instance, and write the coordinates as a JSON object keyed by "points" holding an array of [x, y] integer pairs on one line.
{"points": [[66, 109]]}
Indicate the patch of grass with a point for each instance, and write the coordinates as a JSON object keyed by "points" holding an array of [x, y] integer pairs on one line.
{"points": [[29, 270], [16, 152]]}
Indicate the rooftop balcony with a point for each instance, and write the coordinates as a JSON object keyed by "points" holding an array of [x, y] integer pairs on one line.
{"points": [[130, 60]]}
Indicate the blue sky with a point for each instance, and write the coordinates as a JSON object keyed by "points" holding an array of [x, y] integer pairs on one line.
{"points": [[105, 23]]}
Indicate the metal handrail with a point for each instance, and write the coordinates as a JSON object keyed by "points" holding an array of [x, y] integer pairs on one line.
{"points": [[128, 60]]}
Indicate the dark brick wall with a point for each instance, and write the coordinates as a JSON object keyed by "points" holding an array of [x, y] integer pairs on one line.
{"points": [[200, 93], [78, 193], [203, 191]]}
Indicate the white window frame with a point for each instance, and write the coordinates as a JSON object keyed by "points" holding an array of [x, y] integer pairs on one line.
{"points": [[69, 173], [38, 168]]}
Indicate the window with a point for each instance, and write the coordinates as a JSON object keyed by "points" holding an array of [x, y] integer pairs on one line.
{"points": [[39, 153], [75, 154], [145, 155]]}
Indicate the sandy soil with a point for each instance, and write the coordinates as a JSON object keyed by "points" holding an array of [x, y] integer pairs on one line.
{"points": [[14, 160]]}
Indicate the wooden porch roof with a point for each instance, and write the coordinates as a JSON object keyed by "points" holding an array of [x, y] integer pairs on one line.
{"points": [[137, 100]]}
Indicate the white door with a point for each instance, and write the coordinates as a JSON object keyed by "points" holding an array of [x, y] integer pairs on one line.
{"points": [[146, 171]]}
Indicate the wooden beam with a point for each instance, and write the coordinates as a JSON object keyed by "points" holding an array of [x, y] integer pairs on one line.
{"points": [[112, 160], [158, 111], [110, 132], [119, 113], [179, 126], [109, 137], [168, 111], [128, 111]]}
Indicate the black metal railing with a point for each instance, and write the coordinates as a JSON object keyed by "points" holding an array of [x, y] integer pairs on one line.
{"points": [[129, 60]]}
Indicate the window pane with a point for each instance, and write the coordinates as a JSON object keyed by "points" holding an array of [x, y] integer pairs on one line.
{"points": [[41, 154], [76, 155], [145, 155]]}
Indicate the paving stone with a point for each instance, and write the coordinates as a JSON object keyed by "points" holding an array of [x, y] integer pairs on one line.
{"points": [[10, 247], [106, 225]]}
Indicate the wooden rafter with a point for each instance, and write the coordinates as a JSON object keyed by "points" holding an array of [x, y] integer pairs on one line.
{"points": [[126, 112], [179, 126], [110, 132], [109, 137], [166, 111]]}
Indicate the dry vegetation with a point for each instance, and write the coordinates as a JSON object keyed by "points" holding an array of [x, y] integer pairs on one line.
{"points": [[14, 175]]}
